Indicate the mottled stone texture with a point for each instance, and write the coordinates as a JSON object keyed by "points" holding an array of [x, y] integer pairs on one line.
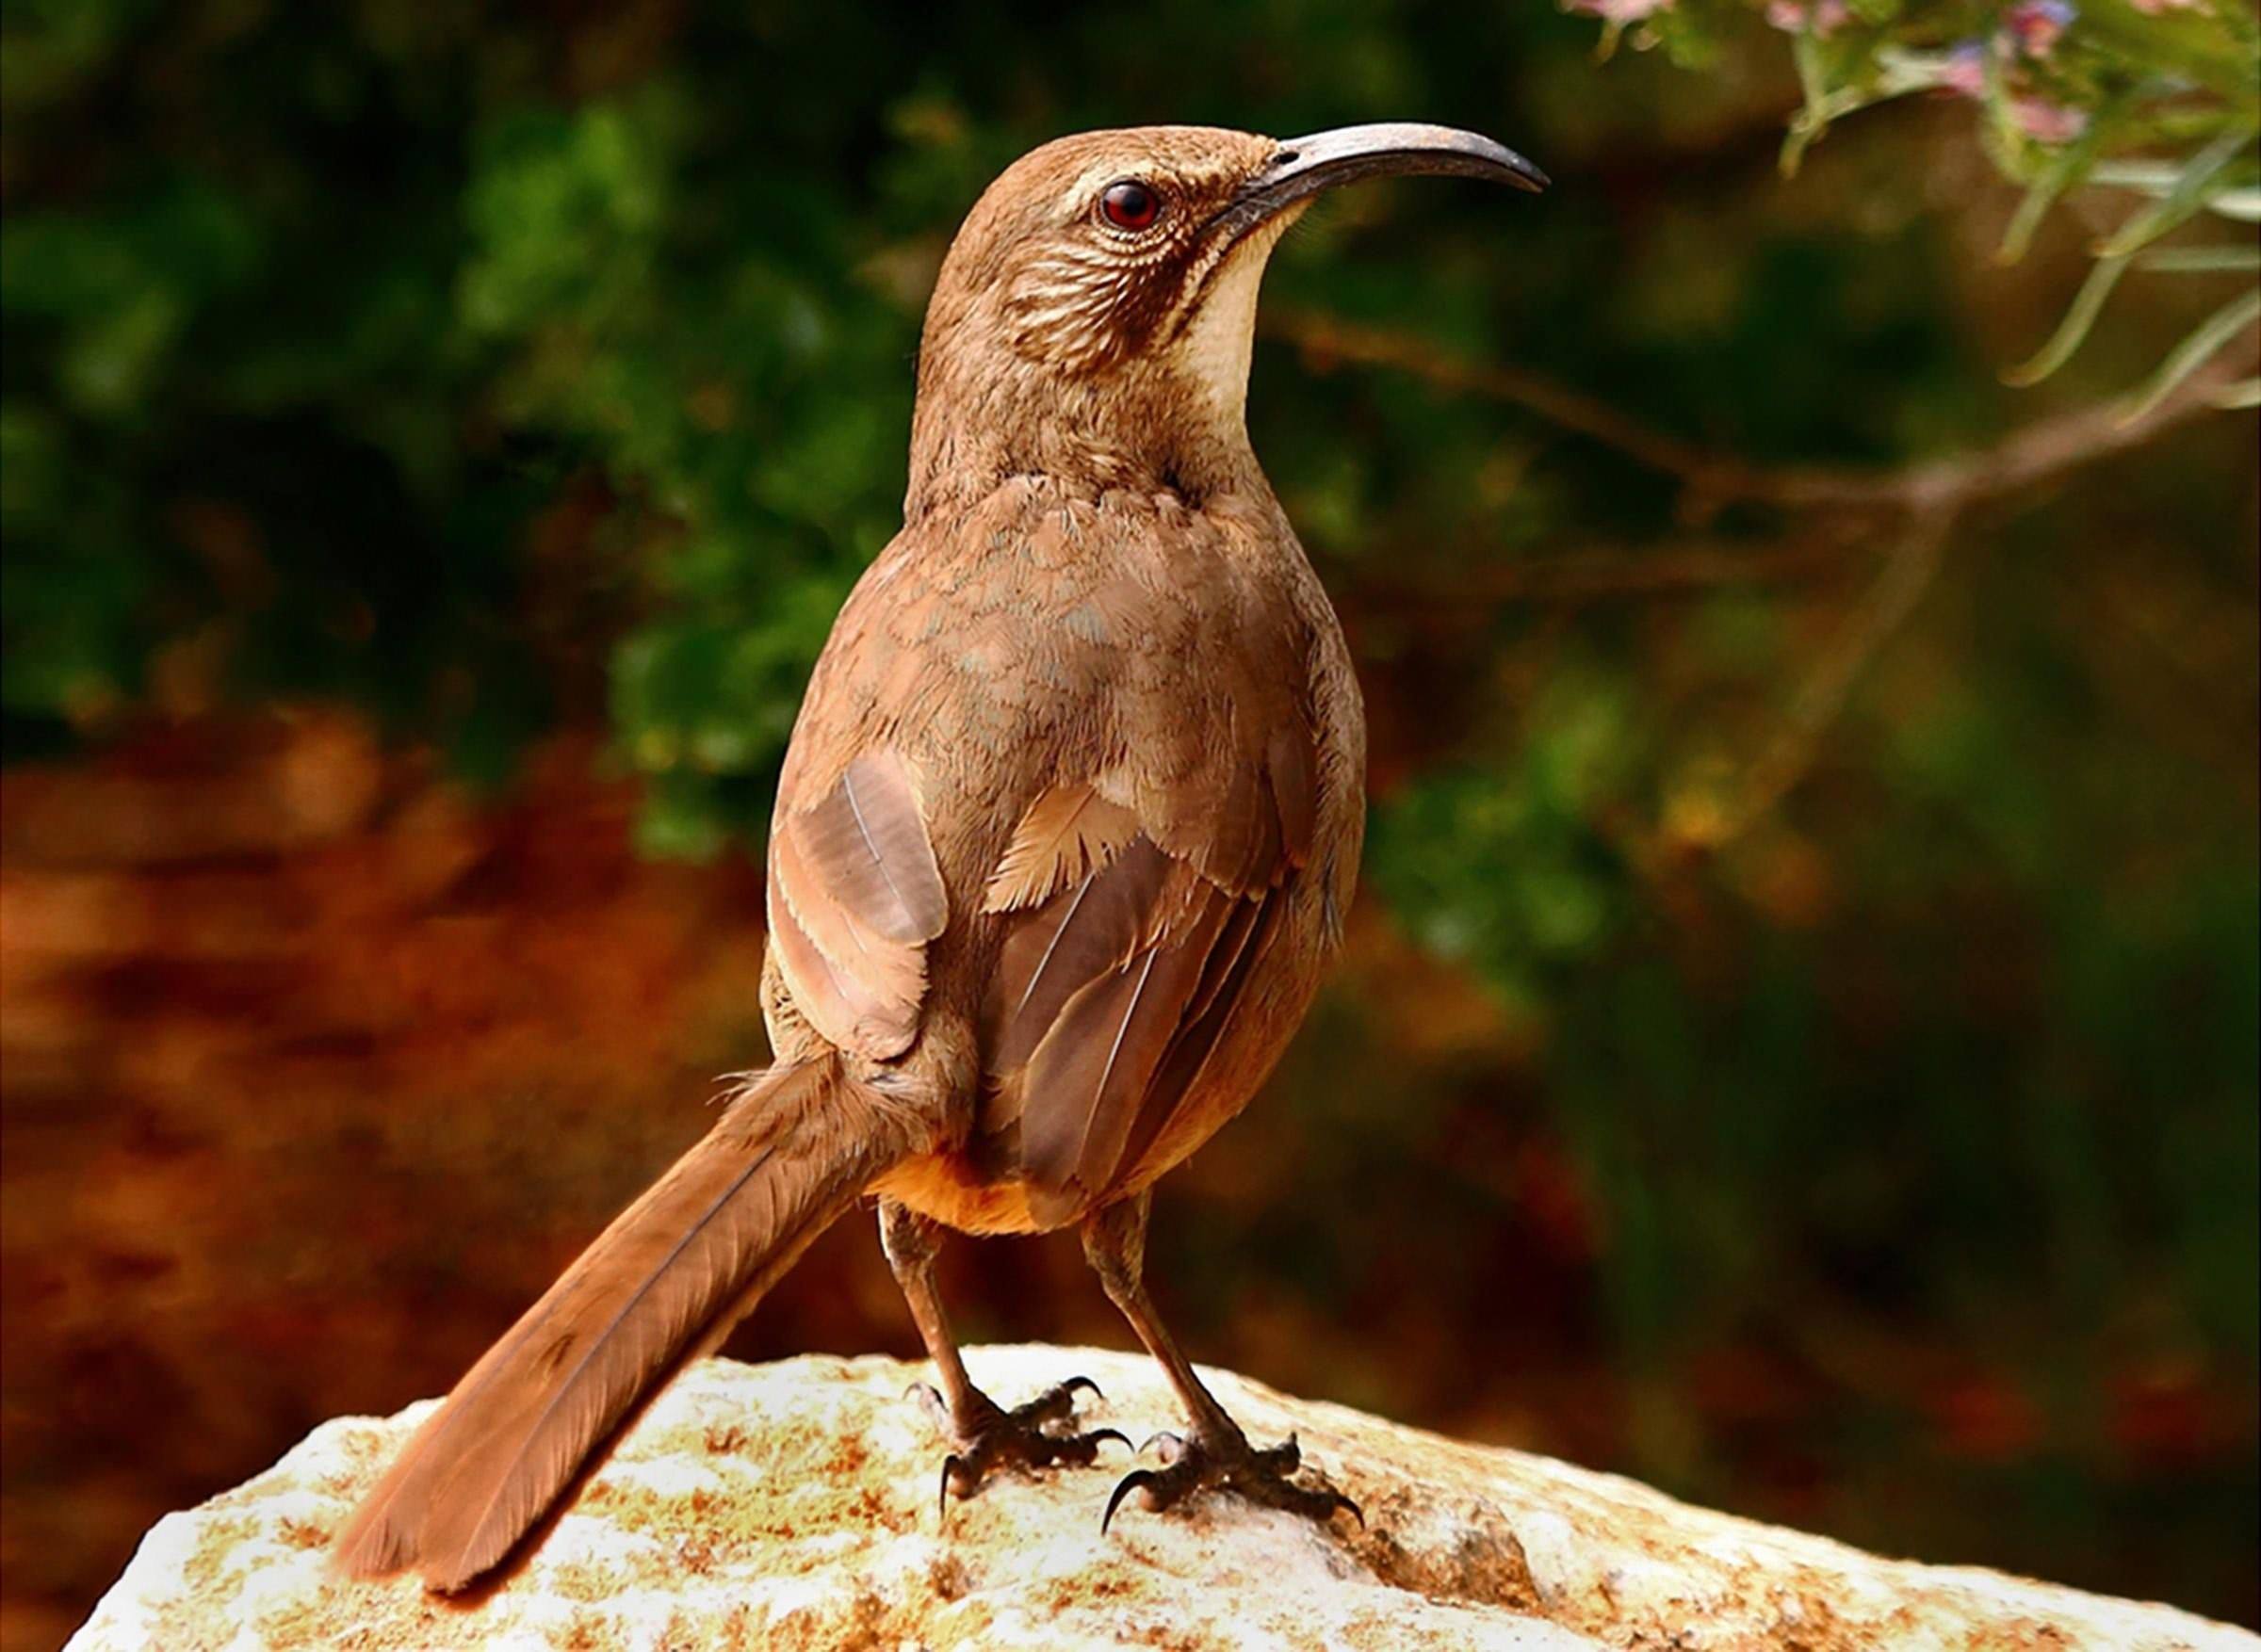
{"points": [[792, 1505]]}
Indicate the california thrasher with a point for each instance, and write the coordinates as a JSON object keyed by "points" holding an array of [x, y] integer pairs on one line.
{"points": [[1064, 838]]}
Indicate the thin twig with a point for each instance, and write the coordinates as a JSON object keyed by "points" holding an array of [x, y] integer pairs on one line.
{"points": [[1885, 607], [1602, 573], [2040, 450]]}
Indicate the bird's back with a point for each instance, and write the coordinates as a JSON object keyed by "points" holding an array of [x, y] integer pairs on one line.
{"points": [[1128, 731]]}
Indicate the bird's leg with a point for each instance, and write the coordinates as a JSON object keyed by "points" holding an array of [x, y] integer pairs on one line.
{"points": [[1213, 1453], [984, 1436]]}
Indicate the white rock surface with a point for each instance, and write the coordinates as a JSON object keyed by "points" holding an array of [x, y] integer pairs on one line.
{"points": [[792, 1505]]}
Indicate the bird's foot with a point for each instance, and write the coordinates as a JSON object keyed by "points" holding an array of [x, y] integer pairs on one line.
{"points": [[1232, 1465], [1040, 1434]]}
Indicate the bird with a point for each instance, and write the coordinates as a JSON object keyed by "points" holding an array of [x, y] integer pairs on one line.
{"points": [[1062, 841]]}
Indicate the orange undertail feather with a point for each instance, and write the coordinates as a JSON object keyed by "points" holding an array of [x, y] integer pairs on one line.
{"points": [[659, 1287]]}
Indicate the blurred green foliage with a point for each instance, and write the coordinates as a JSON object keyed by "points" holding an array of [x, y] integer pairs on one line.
{"points": [[2156, 97], [498, 366]]}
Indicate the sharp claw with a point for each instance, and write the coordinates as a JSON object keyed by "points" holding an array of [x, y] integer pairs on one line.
{"points": [[1174, 1447], [950, 1465], [1123, 1489], [1074, 1383], [931, 1401], [1098, 1434], [1260, 1477]]}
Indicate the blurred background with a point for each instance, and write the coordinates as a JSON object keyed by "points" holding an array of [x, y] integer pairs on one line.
{"points": [[1797, 1044]]}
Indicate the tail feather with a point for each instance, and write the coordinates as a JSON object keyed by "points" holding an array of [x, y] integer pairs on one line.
{"points": [[658, 1288]]}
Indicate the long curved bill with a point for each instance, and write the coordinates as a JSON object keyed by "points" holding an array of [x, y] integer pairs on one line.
{"points": [[1389, 149]]}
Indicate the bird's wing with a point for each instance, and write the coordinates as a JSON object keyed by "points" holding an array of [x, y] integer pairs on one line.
{"points": [[1134, 929], [855, 895], [1093, 727]]}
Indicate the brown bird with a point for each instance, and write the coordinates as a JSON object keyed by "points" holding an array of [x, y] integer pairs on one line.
{"points": [[1063, 840]]}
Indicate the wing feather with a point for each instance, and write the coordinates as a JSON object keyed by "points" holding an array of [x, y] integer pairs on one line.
{"points": [[1110, 995], [865, 842], [1079, 936], [1293, 789], [854, 896], [887, 976], [1068, 833], [840, 1004], [1101, 1055], [1208, 1018]]}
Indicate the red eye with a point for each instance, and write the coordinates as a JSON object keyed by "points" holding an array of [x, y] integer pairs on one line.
{"points": [[1129, 204]]}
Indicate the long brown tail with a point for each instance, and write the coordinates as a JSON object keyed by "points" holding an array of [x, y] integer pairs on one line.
{"points": [[660, 1287]]}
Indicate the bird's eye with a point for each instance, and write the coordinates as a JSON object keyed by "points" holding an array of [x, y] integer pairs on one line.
{"points": [[1129, 204]]}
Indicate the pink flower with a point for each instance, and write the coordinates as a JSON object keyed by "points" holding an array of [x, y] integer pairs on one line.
{"points": [[1965, 70], [2047, 122], [1822, 17], [2037, 25], [1620, 12]]}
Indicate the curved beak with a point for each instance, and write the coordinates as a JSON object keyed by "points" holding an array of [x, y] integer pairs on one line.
{"points": [[1391, 148]]}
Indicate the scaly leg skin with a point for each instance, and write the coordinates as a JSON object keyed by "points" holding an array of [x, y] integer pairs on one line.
{"points": [[1215, 1454], [1040, 1434]]}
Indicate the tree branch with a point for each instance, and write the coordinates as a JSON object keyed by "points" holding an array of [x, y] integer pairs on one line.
{"points": [[1908, 573], [1931, 495], [1813, 549], [2040, 450]]}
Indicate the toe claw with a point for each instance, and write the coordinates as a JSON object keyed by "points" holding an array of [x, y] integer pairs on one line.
{"points": [[1123, 1489], [931, 1401], [1084, 1449], [1355, 1513], [1038, 1435], [1196, 1462], [1173, 1446], [1074, 1383]]}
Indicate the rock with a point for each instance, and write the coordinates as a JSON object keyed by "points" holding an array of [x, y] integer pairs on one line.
{"points": [[792, 1505]]}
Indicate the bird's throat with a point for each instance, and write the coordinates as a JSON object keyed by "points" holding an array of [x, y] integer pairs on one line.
{"points": [[1171, 420], [1212, 353]]}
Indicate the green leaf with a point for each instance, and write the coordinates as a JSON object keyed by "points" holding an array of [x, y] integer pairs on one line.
{"points": [[2196, 350], [2079, 316], [2143, 177], [2188, 193], [1897, 74], [2063, 170], [2203, 259], [2241, 206]]}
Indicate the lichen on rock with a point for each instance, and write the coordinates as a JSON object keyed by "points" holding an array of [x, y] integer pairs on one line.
{"points": [[793, 1505]]}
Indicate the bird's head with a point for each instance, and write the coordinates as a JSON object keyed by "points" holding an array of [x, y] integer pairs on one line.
{"points": [[1093, 316]]}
